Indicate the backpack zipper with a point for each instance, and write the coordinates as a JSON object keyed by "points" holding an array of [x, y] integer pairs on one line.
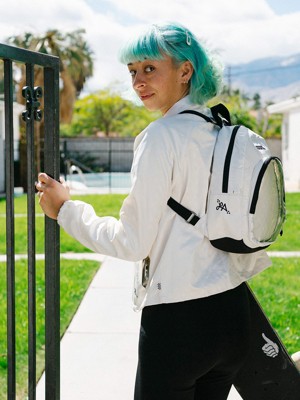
{"points": [[226, 168]]}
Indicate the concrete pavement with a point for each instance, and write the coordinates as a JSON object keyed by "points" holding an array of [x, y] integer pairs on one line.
{"points": [[99, 349]]}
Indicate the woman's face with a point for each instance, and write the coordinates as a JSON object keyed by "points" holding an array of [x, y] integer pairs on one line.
{"points": [[160, 83]]}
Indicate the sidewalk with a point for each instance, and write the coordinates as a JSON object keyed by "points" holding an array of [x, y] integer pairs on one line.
{"points": [[99, 349]]}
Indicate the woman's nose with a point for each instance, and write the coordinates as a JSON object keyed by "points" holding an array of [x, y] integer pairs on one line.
{"points": [[138, 81]]}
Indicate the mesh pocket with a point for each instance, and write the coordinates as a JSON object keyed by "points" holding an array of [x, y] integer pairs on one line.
{"points": [[269, 207]]}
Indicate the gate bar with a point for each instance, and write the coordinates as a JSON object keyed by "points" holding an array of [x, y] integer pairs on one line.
{"points": [[27, 56], [10, 232], [31, 246], [52, 250]]}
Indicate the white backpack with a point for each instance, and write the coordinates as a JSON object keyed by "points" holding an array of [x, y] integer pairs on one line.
{"points": [[245, 208]]}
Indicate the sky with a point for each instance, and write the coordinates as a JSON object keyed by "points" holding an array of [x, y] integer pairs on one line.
{"points": [[238, 31]]}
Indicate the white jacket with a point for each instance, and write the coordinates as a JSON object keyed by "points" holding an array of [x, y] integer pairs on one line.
{"points": [[172, 157]]}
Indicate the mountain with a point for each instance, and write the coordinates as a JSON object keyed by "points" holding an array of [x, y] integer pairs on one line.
{"points": [[274, 78]]}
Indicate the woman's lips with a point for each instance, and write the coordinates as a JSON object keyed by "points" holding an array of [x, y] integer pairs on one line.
{"points": [[145, 96]]}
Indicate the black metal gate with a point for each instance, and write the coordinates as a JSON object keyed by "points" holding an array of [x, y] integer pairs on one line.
{"points": [[50, 93]]}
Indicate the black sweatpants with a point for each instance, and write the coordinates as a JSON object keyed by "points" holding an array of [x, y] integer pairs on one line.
{"points": [[192, 350]]}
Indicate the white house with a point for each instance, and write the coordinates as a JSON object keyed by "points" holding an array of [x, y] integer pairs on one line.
{"points": [[17, 109], [290, 140]]}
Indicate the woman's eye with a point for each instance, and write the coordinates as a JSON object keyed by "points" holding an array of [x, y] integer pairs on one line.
{"points": [[149, 68], [132, 73]]}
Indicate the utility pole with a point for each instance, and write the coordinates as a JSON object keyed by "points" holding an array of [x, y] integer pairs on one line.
{"points": [[229, 79]]}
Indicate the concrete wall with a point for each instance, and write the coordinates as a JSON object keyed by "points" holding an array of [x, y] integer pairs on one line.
{"points": [[291, 149], [290, 140]]}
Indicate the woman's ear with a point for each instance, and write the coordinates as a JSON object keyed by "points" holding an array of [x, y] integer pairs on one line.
{"points": [[186, 71]]}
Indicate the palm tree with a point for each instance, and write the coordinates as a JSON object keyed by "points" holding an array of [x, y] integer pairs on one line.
{"points": [[76, 65]]}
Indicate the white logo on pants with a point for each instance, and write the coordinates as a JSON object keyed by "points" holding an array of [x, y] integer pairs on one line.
{"points": [[271, 349]]}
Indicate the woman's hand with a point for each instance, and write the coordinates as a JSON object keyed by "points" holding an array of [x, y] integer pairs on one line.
{"points": [[52, 194]]}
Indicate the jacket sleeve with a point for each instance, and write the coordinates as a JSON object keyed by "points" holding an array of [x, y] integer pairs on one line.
{"points": [[131, 236]]}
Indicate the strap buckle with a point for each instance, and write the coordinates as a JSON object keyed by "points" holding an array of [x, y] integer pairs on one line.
{"points": [[191, 217]]}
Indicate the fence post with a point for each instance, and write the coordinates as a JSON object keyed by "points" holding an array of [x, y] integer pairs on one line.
{"points": [[52, 254], [10, 231], [31, 246]]}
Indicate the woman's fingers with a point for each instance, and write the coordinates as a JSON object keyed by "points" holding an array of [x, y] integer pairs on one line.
{"points": [[43, 177], [52, 194]]}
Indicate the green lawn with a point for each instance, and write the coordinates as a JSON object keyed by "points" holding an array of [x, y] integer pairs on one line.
{"points": [[277, 288], [290, 238], [75, 279]]}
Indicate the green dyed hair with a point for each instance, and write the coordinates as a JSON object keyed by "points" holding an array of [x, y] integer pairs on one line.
{"points": [[177, 42]]}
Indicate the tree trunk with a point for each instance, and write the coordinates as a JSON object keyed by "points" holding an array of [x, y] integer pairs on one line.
{"points": [[67, 98]]}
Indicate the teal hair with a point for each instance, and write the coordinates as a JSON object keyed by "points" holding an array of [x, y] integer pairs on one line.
{"points": [[181, 45]]}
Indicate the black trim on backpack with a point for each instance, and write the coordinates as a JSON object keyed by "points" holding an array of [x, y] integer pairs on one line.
{"points": [[226, 168], [258, 183], [235, 246]]}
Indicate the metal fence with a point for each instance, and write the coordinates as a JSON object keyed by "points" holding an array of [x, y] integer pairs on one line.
{"points": [[98, 164], [109, 154], [32, 115]]}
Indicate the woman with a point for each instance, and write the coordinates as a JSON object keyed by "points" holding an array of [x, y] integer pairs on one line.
{"points": [[195, 322]]}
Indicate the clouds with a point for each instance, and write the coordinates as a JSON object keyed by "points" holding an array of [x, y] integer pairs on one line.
{"points": [[240, 30], [197, 13]]}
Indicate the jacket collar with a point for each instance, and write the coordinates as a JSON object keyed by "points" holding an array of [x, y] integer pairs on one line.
{"points": [[185, 104]]}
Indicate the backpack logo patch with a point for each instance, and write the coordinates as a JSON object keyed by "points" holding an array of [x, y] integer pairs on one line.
{"points": [[271, 349], [260, 147], [222, 206]]}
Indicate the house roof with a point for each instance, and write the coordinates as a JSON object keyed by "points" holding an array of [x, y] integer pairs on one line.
{"points": [[284, 106]]}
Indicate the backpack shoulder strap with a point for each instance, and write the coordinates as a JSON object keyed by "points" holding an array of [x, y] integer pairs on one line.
{"points": [[184, 212], [221, 115], [207, 119]]}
